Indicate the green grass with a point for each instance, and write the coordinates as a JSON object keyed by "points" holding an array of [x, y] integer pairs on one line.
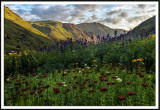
{"points": [[144, 96]]}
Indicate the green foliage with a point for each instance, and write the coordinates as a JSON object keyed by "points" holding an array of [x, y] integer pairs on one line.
{"points": [[39, 89]]}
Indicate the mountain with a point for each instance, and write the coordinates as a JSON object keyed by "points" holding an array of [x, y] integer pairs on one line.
{"points": [[99, 29], [62, 31], [145, 26], [19, 34]]}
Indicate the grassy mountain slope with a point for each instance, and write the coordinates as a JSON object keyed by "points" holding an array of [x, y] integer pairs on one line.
{"points": [[61, 31], [145, 25], [19, 34], [99, 29]]}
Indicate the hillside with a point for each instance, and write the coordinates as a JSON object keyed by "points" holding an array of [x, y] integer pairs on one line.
{"points": [[99, 29], [146, 26], [62, 31], [19, 34]]}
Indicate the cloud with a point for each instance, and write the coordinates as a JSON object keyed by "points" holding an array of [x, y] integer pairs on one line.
{"points": [[80, 11], [111, 20], [137, 18], [123, 14], [57, 12], [149, 11], [142, 6], [113, 12], [86, 7], [94, 17]]}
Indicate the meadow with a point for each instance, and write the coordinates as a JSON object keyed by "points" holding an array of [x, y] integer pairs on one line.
{"points": [[117, 71]]}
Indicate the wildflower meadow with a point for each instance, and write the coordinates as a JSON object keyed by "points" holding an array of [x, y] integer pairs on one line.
{"points": [[116, 71]]}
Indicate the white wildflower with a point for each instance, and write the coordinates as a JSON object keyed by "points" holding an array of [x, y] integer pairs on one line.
{"points": [[88, 67], [119, 79], [107, 72], [80, 71], [85, 64], [64, 85]]}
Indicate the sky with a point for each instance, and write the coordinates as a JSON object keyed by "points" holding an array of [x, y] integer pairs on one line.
{"points": [[117, 16]]}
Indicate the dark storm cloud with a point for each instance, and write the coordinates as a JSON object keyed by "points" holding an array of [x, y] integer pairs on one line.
{"points": [[57, 12], [142, 6], [137, 18], [113, 12], [123, 14]]}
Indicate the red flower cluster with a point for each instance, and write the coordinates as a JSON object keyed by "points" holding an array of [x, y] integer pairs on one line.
{"points": [[56, 90], [44, 76], [74, 86], [28, 87], [95, 81], [121, 97], [60, 84], [128, 83], [87, 79], [101, 73], [68, 89], [90, 85], [103, 89], [113, 77], [47, 86], [40, 91], [141, 75], [21, 94], [33, 74], [144, 85], [9, 98], [101, 79], [131, 93], [74, 76], [32, 92], [82, 87], [113, 83], [106, 79], [76, 82], [91, 90], [24, 89], [109, 83]]}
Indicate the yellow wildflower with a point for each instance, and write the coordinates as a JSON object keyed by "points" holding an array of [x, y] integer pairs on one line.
{"points": [[5, 55], [33, 50], [7, 79], [134, 60], [142, 63], [12, 51], [153, 36]]}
